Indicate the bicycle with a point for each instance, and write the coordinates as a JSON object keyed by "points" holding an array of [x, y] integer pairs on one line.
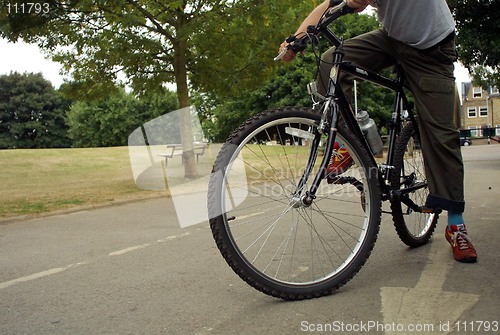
{"points": [[286, 226]]}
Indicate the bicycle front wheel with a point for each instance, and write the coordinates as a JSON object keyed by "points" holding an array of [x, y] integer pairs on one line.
{"points": [[414, 228], [270, 239]]}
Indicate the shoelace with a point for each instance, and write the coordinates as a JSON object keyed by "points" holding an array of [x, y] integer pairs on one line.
{"points": [[337, 154], [461, 240]]}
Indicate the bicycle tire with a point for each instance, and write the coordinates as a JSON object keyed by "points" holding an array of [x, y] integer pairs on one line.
{"points": [[308, 241], [414, 229]]}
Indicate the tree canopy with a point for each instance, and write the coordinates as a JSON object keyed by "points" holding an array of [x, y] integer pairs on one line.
{"points": [[32, 113], [478, 38], [217, 44], [109, 121]]}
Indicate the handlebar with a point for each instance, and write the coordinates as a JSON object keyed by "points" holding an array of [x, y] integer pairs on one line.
{"points": [[296, 44], [336, 9]]}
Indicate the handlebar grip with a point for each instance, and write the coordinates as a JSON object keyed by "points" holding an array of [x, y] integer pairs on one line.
{"points": [[299, 44]]}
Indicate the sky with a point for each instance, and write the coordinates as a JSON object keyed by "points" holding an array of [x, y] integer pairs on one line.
{"points": [[22, 57]]}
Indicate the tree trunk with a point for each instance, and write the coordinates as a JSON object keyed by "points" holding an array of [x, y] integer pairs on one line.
{"points": [[180, 48]]}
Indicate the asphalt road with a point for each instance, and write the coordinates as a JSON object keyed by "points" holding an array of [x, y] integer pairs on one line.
{"points": [[131, 269]]}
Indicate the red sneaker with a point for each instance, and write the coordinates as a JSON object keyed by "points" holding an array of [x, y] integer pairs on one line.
{"points": [[339, 162], [463, 250]]}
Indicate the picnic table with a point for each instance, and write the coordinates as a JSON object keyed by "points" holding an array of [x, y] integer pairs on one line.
{"points": [[176, 150]]}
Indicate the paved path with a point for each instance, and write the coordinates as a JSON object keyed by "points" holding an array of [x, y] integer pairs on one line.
{"points": [[131, 269]]}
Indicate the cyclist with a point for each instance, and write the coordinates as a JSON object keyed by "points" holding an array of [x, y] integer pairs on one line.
{"points": [[420, 36]]}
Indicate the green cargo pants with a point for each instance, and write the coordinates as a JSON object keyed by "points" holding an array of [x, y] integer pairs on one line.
{"points": [[430, 76]]}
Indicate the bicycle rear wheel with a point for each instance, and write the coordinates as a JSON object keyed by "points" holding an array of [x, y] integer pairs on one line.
{"points": [[414, 228], [271, 240]]}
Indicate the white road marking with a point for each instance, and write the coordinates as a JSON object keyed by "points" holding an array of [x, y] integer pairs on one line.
{"points": [[126, 250], [62, 269], [173, 237], [427, 303], [38, 275]]}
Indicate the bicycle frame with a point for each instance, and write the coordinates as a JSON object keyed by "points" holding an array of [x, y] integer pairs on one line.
{"points": [[336, 105]]}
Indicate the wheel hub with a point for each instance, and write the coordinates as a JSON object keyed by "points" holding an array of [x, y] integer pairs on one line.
{"points": [[304, 200]]}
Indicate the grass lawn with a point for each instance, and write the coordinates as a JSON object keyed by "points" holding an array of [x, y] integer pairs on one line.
{"points": [[35, 181]]}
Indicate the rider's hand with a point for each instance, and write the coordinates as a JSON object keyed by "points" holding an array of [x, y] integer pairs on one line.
{"points": [[358, 5], [289, 55]]}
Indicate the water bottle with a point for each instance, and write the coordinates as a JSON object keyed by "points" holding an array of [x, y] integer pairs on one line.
{"points": [[369, 129]]}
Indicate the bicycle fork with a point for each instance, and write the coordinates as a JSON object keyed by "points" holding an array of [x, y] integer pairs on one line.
{"points": [[329, 128]]}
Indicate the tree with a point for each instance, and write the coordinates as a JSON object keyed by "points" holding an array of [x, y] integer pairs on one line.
{"points": [[32, 113], [478, 38], [109, 121], [154, 42]]}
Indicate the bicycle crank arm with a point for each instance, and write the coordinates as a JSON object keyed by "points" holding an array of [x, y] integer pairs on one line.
{"points": [[405, 199], [411, 189]]}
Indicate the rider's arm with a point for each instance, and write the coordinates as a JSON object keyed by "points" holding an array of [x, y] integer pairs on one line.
{"points": [[314, 17]]}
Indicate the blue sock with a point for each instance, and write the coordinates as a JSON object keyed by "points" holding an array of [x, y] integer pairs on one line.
{"points": [[455, 218]]}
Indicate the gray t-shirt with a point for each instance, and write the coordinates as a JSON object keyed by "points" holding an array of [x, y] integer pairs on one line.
{"points": [[418, 23]]}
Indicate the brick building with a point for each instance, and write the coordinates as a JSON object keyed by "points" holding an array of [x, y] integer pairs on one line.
{"points": [[480, 110]]}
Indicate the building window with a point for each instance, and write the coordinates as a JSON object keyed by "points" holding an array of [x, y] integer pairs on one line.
{"points": [[494, 90], [483, 111], [477, 92], [472, 112]]}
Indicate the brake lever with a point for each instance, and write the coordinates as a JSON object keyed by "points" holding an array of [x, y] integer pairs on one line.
{"points": [[280, 55], [295, 44], [290, 39]]}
